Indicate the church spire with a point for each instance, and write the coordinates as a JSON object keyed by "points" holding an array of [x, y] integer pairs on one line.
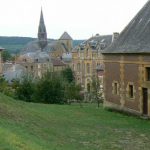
{"points": [[42, 34]]}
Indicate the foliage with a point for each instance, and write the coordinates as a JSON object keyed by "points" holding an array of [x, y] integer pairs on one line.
{"points": [[6, 56], [97, 92], [50, 89], [15, 44], [68, 75], [24, 89], [73, 92]]}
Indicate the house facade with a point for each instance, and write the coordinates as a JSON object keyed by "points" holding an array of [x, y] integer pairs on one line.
{"points": [[1, 70], [127, 67], [87, 60]]}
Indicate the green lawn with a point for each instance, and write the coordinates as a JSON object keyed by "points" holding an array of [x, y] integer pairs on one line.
{"points": [[28, 126]]}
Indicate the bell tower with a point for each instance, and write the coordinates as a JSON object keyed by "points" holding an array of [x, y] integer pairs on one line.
{"points": [[42, 34]]}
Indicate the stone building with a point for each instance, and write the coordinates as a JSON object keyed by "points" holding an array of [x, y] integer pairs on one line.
{"points": [[87, 59], [42, 55], [1, 70], [127, 67], [55, 48]]}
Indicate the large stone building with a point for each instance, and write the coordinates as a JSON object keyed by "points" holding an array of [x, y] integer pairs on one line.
{"points": [[42, 54], [127, 67], [55, 48], [87, 59]]}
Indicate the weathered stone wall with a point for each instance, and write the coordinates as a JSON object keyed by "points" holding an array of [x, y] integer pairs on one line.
{"points": [[126, 70]]}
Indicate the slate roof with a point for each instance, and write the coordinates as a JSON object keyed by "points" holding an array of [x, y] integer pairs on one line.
{"points": [[135, 38], [95, 42], [51, 46], [57, 62], [65, 36], [37, 57]]}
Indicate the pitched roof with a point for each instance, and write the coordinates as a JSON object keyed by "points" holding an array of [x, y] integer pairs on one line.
{"points": [[94, 42], [57, 62], [135, 38], [65, 36]]}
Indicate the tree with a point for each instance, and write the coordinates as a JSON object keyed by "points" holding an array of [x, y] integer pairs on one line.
{"points": [[68, 75], [24, 88], [73, 92], [50, 89], [97, 91], [6, 55]]}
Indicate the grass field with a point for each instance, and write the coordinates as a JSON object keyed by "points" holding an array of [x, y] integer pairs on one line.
{"points": [[28, 126]]}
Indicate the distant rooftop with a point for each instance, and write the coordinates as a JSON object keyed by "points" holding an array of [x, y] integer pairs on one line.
{"points": [[65, 36]]}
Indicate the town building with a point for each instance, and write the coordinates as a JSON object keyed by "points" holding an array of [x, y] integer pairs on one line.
{"points": [[43, 55], [87, 60], [1, 70], [127, 67]]}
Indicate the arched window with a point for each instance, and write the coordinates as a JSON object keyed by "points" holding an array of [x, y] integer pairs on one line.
{"points": [[78, 67], [88, 68], [88, 87]]}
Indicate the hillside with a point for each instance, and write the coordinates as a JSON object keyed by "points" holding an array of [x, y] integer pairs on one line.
{"points": [[15, 44], [28, 126]]}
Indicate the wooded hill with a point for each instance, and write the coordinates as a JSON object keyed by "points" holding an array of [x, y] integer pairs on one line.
{"points": [[15, 44]]}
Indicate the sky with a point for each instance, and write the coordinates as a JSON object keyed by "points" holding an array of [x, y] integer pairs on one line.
{"points": [[80, 18]]}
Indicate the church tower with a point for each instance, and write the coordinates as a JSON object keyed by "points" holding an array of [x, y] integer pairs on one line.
{"points": [[42, 34]]}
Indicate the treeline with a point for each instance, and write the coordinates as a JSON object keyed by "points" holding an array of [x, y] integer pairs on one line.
{"points": [[15, 44], [52, 88]]}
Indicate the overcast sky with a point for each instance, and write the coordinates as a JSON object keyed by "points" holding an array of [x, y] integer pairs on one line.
{"points": [[80, 18]]}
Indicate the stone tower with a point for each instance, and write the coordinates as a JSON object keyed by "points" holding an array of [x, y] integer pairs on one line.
{"points": [[42, 34]]}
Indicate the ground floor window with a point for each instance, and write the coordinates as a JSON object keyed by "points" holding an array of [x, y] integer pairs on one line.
{"points": [[130, 90], [115, 88], [131, 94]]}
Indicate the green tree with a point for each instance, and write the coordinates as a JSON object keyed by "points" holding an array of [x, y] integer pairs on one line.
{"points": [[50, 89], [6, 55], [25, 88], [68, 75], [97, 92]]}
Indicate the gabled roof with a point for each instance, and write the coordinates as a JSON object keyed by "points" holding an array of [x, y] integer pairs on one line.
{"points": [[65, 36], [135, 38]]}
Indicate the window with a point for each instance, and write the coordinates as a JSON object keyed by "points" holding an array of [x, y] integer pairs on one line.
{"points": [[88, 87], [131, 91], [78, 67], [116, 88], [31, 68], [148, 73], [88, 68]]}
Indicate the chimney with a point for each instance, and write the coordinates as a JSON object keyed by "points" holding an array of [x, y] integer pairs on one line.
{"points": [[115, 36]]}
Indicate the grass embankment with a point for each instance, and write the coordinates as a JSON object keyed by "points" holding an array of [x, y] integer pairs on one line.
{"points": [[28, 126]]}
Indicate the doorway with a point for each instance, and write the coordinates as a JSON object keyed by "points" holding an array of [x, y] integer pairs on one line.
{"points": [[145, 101]]}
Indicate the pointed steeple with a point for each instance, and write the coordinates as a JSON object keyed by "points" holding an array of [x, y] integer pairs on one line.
{"points": [[42, 34]]}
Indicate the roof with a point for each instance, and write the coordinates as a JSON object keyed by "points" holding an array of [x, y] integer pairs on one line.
{"points": [[95, 42], [135, 38], [65, 36], [39, 57], [51, 46], [57, 62]]}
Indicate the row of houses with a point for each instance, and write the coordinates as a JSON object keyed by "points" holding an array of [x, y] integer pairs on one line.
{"points": [[123, 60]]}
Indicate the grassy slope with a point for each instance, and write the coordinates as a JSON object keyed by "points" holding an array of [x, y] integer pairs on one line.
{"points": [[27, 126]]}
